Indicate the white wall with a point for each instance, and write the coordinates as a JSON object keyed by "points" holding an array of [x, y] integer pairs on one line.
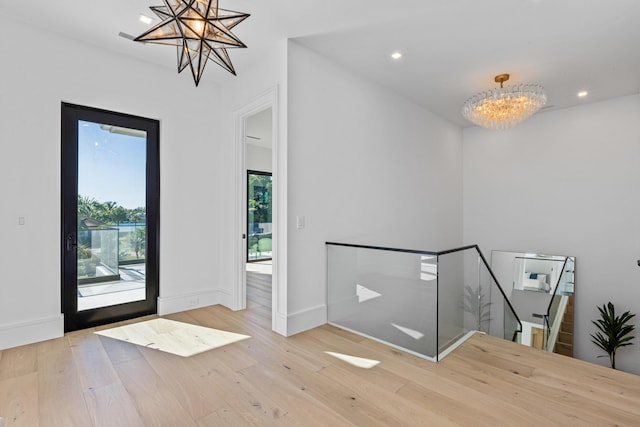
{"points": [[219, 184], [252, 84], [365, 166], [196, 171], [259, 159], [565, 182]]}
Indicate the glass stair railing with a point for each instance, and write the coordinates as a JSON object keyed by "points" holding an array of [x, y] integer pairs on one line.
{"points": [[558, 320], [425, 303]]}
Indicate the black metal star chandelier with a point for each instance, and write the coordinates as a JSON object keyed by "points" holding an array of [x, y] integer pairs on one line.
{"points": [[200, 30]]}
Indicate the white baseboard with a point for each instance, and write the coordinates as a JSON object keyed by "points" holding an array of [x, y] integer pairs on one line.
{"points": [[224, 298], [192, 300], [306, 319], [22, 333]]}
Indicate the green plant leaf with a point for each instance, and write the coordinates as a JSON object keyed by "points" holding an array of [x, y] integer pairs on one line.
{"points": [[613, 331]]}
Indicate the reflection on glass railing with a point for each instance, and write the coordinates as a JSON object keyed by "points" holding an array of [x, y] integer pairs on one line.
{"points": [[416, 335], [419, 301], [365, 294]]}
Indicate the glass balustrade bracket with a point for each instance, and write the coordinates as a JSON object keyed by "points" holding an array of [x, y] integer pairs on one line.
{"points": [[423, 302]]}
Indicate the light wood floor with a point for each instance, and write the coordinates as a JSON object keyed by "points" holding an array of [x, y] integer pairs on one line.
{"points": [[84, 379], [259, 288]]}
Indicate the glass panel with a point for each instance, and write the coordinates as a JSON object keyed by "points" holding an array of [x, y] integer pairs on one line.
{"points": [[389, 296], [559, 318], [259, 208], [111, 215], [97, 254], [512, 327], [454, 271], [499, 318], [465, 281], [421, 303]]}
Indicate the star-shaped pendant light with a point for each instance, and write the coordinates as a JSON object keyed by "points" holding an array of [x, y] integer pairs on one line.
{"points": [[200, 30]]}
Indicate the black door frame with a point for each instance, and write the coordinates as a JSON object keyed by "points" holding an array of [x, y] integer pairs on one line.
{"points": [[254, 172], [73, 319]]}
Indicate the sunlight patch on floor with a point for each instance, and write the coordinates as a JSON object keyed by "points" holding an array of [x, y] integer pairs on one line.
{"points": [[182, 339], [358, 362]]}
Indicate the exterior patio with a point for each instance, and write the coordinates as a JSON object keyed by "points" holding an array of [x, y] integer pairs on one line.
{"points": [[130, 287]]}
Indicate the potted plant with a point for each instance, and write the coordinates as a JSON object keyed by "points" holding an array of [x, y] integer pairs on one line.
{"points": [[613, 331]]}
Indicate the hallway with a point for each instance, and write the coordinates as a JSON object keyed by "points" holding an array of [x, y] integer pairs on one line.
{"points": [[259, 281]]}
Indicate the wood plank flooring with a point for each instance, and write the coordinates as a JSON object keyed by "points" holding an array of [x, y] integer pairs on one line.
{"points": [[259, 288], [85, 379]]}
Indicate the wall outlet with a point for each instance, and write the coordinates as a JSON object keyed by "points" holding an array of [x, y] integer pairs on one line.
{"points": [[193, 302]]}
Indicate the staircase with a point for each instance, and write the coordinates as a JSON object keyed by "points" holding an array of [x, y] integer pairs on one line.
{"points": [[564, 344]]}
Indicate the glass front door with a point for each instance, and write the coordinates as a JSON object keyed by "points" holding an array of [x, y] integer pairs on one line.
{"points": [[109, 216]]}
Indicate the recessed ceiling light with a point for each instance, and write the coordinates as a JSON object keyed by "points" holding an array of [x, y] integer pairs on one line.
{"points": [[145, 19], [396, 55], [583, 93]]}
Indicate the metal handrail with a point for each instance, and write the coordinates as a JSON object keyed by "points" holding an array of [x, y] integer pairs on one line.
{"points": [[410, 251], [493, 276]]}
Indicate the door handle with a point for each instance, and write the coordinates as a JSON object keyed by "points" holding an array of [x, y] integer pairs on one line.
{"points": [[71, 245]]}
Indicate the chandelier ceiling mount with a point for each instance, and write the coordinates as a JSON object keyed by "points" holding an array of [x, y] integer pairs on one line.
{"points": [[501, 78]]}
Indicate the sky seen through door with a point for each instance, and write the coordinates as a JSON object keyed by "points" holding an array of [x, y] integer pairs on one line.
{"points": [[112, 166]]}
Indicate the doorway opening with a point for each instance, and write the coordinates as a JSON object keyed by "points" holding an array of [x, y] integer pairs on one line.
{"points": [[259, 211], [257, 123], [110, 191]]}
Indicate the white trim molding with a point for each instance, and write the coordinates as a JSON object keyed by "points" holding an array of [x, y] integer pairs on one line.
{"points": [[31, 331], [304, 320], [192, 300], [269, 99]]}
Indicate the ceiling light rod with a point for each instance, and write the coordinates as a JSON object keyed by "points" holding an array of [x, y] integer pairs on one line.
{"points": [[501, 78], [504, 107]]}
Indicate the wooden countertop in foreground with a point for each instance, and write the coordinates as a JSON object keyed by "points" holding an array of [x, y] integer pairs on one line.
{"points": [[84, 379]]}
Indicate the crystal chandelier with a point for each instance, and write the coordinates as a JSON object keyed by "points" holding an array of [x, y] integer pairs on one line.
{"points": [[200, 30], [504, 107]]}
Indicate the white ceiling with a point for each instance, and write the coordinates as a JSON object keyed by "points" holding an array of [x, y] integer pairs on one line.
{"points": [[452, 48]]}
